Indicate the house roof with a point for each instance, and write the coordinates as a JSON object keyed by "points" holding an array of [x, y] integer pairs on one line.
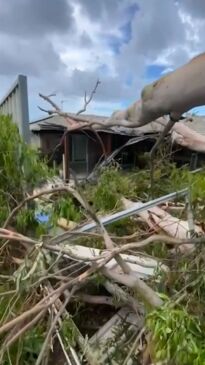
{"points": [[58, 123]]}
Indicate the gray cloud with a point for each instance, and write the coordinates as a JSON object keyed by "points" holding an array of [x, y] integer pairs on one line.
{"points": [[85, 40], [26, 29], [32, 32], [111, 88], [155, 28], [110, 12], [194, 7], [31, 18], [31, 58]]}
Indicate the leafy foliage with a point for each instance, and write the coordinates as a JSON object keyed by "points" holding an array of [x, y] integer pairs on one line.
{"points": [[66, 208], [112, 185], [20, 167], [177, 336]]}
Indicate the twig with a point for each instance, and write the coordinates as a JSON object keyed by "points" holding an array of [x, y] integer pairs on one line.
{"points": [[29, 325], [166, 130], [53, 325], [80, 340], [48, 99], [87, 101], [13, 236], [94, 299], [134, 345]]}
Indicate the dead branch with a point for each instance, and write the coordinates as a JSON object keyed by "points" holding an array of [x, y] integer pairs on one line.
{"points": [[13, 236], [50, 299], [72, 123], [24, 329], [146, 293], [95, 299], [149, 295], [53, 326], [87, 101], [48, 99], [80, 340], [120, 294], [56, 109]]}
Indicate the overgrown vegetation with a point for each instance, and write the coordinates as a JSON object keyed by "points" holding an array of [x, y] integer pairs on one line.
{"points": [[20, 170], [178, 336]]}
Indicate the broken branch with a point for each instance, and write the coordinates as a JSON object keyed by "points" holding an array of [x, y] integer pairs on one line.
{"points": [[87, 101]]}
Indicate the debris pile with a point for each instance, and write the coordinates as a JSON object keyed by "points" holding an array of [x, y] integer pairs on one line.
{"points": [[104, 273], [82, 291]]}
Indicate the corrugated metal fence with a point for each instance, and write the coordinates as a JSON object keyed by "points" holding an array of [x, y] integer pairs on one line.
{"points": [[15, 103]]}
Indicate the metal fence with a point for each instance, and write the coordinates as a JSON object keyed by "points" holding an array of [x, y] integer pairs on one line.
{"points": [[15, 104]]}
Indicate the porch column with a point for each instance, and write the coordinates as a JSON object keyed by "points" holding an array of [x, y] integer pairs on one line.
{"points": [[108, 144], [66, 158]]}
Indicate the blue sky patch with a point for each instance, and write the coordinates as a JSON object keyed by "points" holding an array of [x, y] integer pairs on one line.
{"points": [[126, 29], [115, 43], [103, 70], [127, 32], [154, 71]]}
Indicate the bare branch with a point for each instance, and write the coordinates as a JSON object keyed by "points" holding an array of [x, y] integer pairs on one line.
{"points": [[73, 124], [146, 293], [48, 99], [95, 299], [87, 101], [28, 326], [53, 327]]}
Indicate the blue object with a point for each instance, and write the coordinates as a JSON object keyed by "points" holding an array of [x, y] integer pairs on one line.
{"points": [[42, 218]]}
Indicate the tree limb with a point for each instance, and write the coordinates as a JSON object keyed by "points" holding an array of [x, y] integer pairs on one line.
{"points": [[87, 101]]}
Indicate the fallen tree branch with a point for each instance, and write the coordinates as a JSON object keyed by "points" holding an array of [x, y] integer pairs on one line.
{"points": [[94, 299], [53, 326], [121, 295], [19, 333], [72, 123], [87, 101]]}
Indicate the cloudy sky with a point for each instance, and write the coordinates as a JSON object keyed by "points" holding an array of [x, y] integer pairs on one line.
{"points": [[64, 46]]}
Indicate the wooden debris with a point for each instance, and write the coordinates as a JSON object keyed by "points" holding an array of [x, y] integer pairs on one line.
{"points": [[158, 219], [111, 336], [140, 265], [65, 224]]}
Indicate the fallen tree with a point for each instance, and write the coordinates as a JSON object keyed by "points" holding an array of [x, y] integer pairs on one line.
{"points": [[171, 95], [45, 272]]}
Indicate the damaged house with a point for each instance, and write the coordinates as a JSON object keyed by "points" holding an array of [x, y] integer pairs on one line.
{"points": [[81, 150]]}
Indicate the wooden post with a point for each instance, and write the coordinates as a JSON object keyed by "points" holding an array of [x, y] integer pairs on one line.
{"points": [[108, 144], [66, 158]]}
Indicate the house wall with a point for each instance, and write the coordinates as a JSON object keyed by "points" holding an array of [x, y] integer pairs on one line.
{"points": [[35, 140], [46, 142], [49, 141]]}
